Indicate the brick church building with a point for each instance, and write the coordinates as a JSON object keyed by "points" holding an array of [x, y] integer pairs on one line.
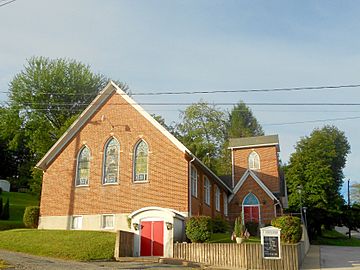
{"points": [[117, 168]]}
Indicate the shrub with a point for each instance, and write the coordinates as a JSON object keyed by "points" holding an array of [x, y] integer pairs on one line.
{"points": [[291, 230], [198, 229], [31, 216], [1, 190], [219, 225], [252, 227], [238, 228], [5, 215]]}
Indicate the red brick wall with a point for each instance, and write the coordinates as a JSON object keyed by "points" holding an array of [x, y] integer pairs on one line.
{"points": [[269, 170], [168, 168], [266, 203], [198, 205]]}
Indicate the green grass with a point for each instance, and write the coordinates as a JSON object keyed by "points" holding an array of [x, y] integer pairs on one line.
{"points": [[18, 203], [71, 245], [226, 238], [334, 238]]}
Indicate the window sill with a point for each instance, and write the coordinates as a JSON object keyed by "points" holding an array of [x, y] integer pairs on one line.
{"points": [[110, 184], [81, 186], [108, 228], [194, 196], [140, 182]]}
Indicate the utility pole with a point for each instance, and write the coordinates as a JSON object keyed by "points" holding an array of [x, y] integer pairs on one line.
{"points": [[299, 190], [349, 207]]}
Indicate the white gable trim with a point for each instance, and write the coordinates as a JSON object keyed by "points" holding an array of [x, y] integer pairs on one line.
{"points": [[257, 179], [254, 145], [151, 119], [101, 98], [99, 101]]}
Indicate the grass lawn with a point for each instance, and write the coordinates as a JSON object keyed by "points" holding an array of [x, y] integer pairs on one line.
{"points": [[18, 203], [72, 245], [226, 238], [334, 238]]}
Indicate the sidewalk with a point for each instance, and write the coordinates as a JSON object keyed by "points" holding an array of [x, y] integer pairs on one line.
{"points": [[312, 259], [345, 230]]}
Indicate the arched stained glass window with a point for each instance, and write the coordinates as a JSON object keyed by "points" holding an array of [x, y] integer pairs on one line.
{"points": [[251, 199], [83, 167], [111, 162], [141, 161], [254, 161]]}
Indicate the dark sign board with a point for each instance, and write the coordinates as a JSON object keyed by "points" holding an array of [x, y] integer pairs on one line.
{"points": [[271, 247]]}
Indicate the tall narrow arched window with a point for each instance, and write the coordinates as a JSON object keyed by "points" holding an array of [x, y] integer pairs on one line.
{"points": [[194, 181], [111, 162], [83, 167], [254, 161], [141, 158], [207, 191]]}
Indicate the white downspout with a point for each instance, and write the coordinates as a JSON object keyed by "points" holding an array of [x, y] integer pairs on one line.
{"points": [[190, 185], [232, 169], [278, 203]]}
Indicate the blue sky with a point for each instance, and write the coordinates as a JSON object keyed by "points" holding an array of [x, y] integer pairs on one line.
{"points": [[204, 45]]}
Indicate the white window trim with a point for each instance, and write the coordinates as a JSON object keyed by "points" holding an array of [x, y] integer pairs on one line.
{"points": [[77, 166], [207, 191], [102, 221], [104, 160], [225, 200], [217, 199], [134, 163], [194, 183], [72, 222], [251, 164]]}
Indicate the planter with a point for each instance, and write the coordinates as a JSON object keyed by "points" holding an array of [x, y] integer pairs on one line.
{"points": [[239, 240]]}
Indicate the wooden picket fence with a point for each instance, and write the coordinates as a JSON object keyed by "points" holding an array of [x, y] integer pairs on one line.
{"points": [[244, 256]]}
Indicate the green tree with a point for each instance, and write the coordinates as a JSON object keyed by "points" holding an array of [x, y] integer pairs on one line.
{"points": [[317, 167], [45, 98], [242, 122], [203, 131]]}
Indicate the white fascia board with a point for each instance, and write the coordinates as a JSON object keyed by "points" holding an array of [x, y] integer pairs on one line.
{"points": [[254, 145], [257, 179], [211, 172], [101, 98], [166, 133], [151, 119]]}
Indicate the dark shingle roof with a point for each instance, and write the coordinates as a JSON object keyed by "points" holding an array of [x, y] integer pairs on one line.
{"points": [[254, 141]]}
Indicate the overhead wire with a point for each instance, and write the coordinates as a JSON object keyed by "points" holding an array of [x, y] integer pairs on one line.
{"points": [[191, 92], [3, 4]]}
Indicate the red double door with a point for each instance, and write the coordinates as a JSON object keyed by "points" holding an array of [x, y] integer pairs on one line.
{"points": [[152, 238], [251, 213]]}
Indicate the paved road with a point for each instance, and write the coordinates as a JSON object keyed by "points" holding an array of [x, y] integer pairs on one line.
{"points": [[340, 258], [345, 230], [23, 261]]}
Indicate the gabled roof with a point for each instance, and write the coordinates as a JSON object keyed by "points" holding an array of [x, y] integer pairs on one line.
{"points": [[103, 96], [257, 180], [257, 141]]}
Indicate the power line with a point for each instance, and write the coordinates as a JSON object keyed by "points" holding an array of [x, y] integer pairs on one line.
{"points": [[313, 121], [288, 89], [7, 3]]}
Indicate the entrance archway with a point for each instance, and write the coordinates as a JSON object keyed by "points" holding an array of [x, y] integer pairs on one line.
{"points": [[251, 208]]}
